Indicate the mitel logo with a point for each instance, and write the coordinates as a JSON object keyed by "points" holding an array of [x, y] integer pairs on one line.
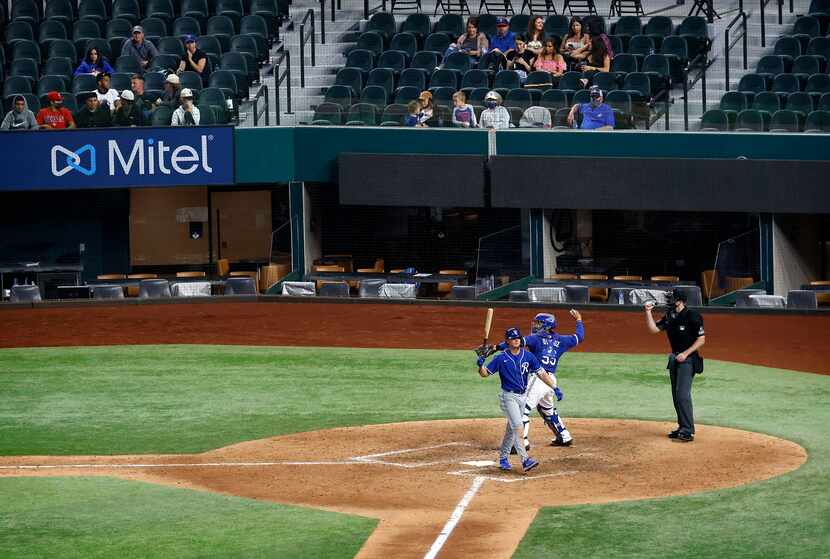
{"points": [[72, 160], [143, 157]]}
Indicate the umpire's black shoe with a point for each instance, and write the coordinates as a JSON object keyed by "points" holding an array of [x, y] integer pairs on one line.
{"points": [[685, 438], [674, 434]]}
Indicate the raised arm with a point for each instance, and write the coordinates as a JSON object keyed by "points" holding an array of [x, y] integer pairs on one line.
{"points": [[650, 324]]}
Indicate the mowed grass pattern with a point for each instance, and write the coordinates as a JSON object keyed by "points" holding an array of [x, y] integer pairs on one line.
{"points": [[118, 400]]}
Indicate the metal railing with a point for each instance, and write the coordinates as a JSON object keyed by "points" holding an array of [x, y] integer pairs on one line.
{"points": [[700, 63], [303, 39], [727, 46], [323, 20], [367, 11], [283, 60], [763, 4], [258, 109]]}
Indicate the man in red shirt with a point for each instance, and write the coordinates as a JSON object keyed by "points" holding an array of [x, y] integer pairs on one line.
{"points": [[55, 116]]}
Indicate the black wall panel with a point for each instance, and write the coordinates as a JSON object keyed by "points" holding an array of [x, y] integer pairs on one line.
{"points": [[412, 180], [743, 185]]}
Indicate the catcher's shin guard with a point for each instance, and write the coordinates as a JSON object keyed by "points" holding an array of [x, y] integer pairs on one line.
{"points": [[552, 419], [526, 426]]}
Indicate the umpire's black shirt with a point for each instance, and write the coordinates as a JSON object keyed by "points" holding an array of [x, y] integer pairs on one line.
{"points": [[683, 328]]}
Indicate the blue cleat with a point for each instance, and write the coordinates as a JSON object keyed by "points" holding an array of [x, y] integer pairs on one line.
{"points": [[529, 464], [504, 465]]}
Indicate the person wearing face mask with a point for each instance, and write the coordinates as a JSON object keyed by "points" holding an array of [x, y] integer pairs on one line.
{"points": [[494, 115], [596, 115], [55, 116], [20, 117], [187, 114], [93, 114], [128, 113]]}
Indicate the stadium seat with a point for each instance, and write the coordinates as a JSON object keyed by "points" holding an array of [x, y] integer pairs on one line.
{"points": [[476, 97], [394, 60], [25, 10], [437, 43], [457, 61], [247, 47], [334, 289], [186, 25], [256, 26], [417, 24], [162, 9], [442, 96], [658, 28], [784, 84], [25, 67], [619, 100], [425, 61], [767, 102], [198, 9], [51, 83], [103, 291], [209, 116], [805, 66], [362, 59], [364, 113], [382, 23], [210, 45], [506, 80], [240, 286], [394, 114], [800, 102], [519, 23], [26, 49], [128, 64], [382, 77], [656, 67], [801, 299], [805, 28], [750, 85], [818, 122], [638, 85], [696, 32], [451, 25], [444, 78], [819, 46], [751, 120], [412, 77], [328, 114], [225, 81], [19, 30], [785, 121], [171, 45], [154, 289], [191, 80], [770, 66], [606, 81], [118, 28], [557, 25], [519, 97], [352, 78], [487, 24], [222, 28], [59, 66], [49, 31], [539, 81], [823, 102], [62, 49], [214, 98], [406, 43], [407, 93], [371, 41], [676, 51], [127, 9], [59, 11], [233, 10], [17, 85], [24, 294], [473, 79], [788, 47], [237, 64], [581, 96], [624, 64], [340, 95], [818, 85], [93, 9]]}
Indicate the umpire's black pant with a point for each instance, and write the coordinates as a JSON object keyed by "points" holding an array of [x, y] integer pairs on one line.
{"points": [[681, 375]]}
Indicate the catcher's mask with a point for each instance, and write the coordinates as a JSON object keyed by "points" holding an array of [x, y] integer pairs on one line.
{"points": [[543, 322]]}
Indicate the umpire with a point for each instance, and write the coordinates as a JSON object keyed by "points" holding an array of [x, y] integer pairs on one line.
{"points": [[684, 328]]}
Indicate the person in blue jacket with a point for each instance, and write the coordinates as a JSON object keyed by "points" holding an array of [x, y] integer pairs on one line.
{"points": [[93, 63]]}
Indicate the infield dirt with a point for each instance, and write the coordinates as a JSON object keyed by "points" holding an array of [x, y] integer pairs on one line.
{"points": [[412, 475]]}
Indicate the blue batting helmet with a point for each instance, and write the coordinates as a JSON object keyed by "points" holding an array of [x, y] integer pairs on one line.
{"points": [[512, 334], [543, 322]]}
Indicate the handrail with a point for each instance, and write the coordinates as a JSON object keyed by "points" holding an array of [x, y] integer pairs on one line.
{"points": [[303, 38], [368, 11], [763, 19], [262, 92], [323, 20], [283, 56], [702, 62], [727, 46]]}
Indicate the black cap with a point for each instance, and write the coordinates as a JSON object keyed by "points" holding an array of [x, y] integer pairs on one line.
{"points": [[677, 295]]}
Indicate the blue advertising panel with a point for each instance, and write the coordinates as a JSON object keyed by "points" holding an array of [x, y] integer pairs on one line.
{"points": [[116, 158]]}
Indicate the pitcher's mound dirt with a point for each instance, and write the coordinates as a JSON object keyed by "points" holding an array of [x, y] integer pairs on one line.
{"points": [[412, 475]]}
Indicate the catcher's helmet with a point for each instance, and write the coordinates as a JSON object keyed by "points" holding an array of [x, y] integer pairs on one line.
{"points": [[543, 322], [512, 334]]}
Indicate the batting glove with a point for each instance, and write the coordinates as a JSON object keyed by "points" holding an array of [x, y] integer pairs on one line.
{"points": [[480, 362], [558, 393]]}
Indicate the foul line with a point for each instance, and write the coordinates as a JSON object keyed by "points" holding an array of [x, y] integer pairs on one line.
{"points": [[195, 465], [454, 518]]}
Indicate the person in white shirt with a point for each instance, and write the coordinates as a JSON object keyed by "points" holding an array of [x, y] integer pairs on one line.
{"points": [[494, 115], [104, 92], [187, 114]]}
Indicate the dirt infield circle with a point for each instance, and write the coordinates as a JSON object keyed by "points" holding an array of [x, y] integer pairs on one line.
{"points": [[415, 476]]}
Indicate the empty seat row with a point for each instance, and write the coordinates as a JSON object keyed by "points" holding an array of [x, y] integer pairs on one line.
{"points": [[783, 84], [752, 120]]}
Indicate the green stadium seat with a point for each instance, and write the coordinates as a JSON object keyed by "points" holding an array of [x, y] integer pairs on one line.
{"points": [[818, 121], [407, 93], [375, 95], [556, 99], [519, 23], [785, 121], [413, 77], [444, 78], [162, 116], [197, 9], [383, 23], [350, 77], [437, 43], [371, 41], [658, 28], [340, 95], [425, 61], [222, 28], [394, 114], [714, 120], [767, 102], [162, 9], [382, 77], [361, 58], [394, 60], [800, 102], [127, 9], [406, 43], [25, 10], [93, 9], [365, 113], [328, 114], [540, 81], [451, 25], [417, 24], [557, 25], [751, 120]]}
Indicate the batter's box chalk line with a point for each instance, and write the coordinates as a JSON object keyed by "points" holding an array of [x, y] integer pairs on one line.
{"points": [[510, 478], [380, 458]]}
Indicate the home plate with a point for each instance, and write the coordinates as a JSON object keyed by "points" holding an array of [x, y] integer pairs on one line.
{"points": [[479, 463]]}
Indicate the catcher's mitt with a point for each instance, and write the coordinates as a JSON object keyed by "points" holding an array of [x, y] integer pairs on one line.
{"points": [[485, 350]]}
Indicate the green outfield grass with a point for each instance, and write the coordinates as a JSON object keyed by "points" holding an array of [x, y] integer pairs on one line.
{"points": [[118, 400]]}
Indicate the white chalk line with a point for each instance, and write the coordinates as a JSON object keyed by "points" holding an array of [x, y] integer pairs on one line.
{"points": [[455, 517], [175, 465], [477, 473]]}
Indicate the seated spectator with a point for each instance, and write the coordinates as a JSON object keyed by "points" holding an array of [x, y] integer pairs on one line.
{"points": [[501, 44], [463, 114], [195, 59], [137, 87], [521, 60], [142, 50], [55, 116], [413, 118], [106, 95], [128, 113], [596, 115], [20, 117], [472, 43], [597, 60], [574, 46], [187, 114], [494, 115], [535, 36], [427, 109], [93, 114], [550, 60], [172, 93], [93, 63]]}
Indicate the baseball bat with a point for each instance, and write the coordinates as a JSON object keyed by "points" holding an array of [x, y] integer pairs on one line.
{"points": [[488, 323]]}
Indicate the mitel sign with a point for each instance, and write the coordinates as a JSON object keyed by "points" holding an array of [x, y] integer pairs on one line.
{"points": [[128, 157]]}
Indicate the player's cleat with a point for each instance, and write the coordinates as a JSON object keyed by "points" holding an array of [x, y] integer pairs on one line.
{"points": [[504, 465], [529, 464], [674, 434], [561, 442], [685, 438]]}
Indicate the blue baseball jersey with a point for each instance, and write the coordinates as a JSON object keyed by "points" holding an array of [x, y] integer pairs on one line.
{"points": [[513, 370], [550, 348]]}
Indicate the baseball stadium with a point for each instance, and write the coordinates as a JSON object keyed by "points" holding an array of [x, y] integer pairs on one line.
{"points": [[415, 279]]}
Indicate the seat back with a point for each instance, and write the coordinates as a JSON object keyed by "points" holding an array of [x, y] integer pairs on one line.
{"points": [[714, 119], [405, 42], [104, 291], [417, 24], [330, 113], [240, 286], [154, 289], [24, 294], [371, 41]]}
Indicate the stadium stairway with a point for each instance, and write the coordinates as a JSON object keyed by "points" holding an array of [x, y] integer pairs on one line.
{"points": [[342, 34]]}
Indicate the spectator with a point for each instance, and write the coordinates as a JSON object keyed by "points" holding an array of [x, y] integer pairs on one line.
{"points": [[140, 99], [472, 43], [494, 115], [141, 50], [20, 117], [195, 59], [92, 114], [93, 63], [501, 44], [535, 37], [575, 44], [550, 60], [596, 115], [427, 108], [172, 94], [128, 113], [106, 95], [55, 116], [413, 118], [463, 114], [187, 114], [597, 60], [521, 60]]}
